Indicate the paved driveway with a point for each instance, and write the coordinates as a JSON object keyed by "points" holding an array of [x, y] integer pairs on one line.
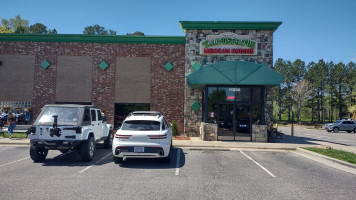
{"points": [[304, 136], [192, 174]]}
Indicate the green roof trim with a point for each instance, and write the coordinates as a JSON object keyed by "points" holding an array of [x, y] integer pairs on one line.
{"points": [[234, 73], [93, 38], [235, 25]]}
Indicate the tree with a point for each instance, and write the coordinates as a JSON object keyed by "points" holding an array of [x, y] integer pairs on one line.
{"points": [[300, 93], [38, 28], [280, 91], [16, 24], [136, 33], [4, 29], [98, 30], [53, 31]]}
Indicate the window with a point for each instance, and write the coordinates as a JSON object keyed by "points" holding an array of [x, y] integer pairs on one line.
{"points": [[100, 118], [93, 115], [163, 125], [141, 125]]}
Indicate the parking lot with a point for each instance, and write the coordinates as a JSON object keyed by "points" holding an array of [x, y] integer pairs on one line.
{"points": [[192, 174]]}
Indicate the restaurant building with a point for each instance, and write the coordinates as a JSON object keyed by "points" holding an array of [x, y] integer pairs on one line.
{"points": [[215, 82]]}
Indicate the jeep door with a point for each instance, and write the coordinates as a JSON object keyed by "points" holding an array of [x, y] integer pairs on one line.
{"points": [[95, 124]]}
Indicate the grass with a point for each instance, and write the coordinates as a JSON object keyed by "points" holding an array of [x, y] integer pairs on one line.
{"points": [[338, 154], [15, 135]]}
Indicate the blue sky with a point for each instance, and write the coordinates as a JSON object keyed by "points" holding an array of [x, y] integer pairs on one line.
{"points": [[311, 29]]}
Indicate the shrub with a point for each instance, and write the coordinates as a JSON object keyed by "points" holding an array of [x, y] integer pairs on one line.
{"points": [[174, 129]]}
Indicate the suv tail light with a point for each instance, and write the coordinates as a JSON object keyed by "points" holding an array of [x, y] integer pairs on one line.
{"points": [[122, 136], [158, 136]]}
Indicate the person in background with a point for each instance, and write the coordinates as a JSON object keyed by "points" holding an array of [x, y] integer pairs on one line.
{"points": [[11, 121]]}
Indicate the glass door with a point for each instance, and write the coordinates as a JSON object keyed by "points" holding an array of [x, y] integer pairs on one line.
{"points": [[234, 122], [243, 125], [226, 126]]}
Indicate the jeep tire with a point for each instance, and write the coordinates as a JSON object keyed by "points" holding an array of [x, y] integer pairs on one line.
{"points": [[335, 130], [38, 154], [108, 140], [87, 149]]}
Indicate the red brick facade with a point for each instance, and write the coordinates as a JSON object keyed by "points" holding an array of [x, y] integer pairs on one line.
{"points": [[167, 87]]}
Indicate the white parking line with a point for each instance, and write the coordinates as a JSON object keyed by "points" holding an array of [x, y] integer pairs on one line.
{"points": [[266, 170], [14, 161], [177, 164], [94, 163]]}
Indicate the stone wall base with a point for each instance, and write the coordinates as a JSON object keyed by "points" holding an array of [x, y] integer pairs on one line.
{"points": [[208, 131], [259, 133]]}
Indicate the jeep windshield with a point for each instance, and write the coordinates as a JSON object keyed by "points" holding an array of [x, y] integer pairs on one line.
{"points": [[66, 116], [141, 125]]}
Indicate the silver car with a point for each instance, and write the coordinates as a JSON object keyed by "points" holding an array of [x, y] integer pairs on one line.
{"points": [[341, 125]]}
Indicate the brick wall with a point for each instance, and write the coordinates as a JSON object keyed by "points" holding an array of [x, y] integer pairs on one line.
{"points": [[167, 87]]}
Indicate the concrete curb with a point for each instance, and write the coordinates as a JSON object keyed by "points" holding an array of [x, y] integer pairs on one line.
{"points": [[327, 158]]}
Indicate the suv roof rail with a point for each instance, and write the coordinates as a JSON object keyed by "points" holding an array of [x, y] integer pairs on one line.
{"points": [[146, 113]]}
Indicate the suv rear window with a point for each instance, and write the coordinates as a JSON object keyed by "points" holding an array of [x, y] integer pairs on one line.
{"points": [[66, 116], [141, 125]]}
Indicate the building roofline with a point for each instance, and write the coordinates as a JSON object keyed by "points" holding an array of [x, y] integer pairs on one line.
{"points": [[236, 25], [93, 38]]}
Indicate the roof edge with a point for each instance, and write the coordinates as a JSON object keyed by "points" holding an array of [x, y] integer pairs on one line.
{"points": [[93, 38], [237, 25]]}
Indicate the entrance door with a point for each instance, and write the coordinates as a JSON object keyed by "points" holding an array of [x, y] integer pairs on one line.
{"points": [[242, 116], [234, 122], [225, 123]]}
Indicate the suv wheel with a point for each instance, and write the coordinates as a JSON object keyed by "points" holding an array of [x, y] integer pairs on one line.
{"points": [[336, 130], [38, 154], [108, 140], [349, 131], [117, 160], [355, 130], [87, 150]]}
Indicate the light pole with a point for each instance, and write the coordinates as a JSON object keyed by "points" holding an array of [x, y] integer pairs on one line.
{"points": [[292, 127]]}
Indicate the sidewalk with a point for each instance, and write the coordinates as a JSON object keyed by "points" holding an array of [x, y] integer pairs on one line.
{"points": [[287, 143]]}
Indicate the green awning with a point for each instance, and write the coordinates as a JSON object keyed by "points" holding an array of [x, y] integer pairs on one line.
{"points": [[234, 73]]}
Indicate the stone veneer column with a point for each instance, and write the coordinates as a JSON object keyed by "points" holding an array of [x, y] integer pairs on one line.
{"points": [[264, 39]]}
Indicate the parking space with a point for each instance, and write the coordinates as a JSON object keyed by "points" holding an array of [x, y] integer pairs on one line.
{"points": [[192, 174]]}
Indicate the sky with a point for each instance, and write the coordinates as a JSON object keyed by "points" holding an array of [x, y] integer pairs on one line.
{"points": [[311, 29]]}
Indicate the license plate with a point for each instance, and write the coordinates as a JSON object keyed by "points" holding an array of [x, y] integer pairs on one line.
{"points": [[32, 137], [139, 149]]}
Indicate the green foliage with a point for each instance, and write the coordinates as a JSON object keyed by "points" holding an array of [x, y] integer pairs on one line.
{"points": [[98, 30], [3, 29], [38, 28], [174, 129], [332, 90], [19, 25], [338, 154], [136, 33]]}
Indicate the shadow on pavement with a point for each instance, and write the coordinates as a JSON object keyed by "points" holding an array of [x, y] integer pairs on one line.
{"points": [[146, 163], [287, 139]]}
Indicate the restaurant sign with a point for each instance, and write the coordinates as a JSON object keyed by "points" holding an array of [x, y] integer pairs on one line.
{"points": [[228, 44]]}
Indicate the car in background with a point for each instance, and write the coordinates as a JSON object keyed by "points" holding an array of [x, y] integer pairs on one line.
{"points": [[243, 125], [341, 125], [143, 134]]}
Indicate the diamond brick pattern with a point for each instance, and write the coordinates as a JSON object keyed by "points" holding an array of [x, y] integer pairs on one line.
{"points": [[45, 64], [103, 65], [168, 66], [196, 106], [196, 66]]}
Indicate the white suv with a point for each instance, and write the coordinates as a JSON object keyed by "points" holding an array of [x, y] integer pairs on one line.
{"points": [[143, 134]]}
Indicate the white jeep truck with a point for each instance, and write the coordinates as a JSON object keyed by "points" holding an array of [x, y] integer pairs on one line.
{"points": [[67, 127]]}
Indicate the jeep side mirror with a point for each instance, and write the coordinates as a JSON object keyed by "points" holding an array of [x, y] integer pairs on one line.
{"points": [[104, 118], [170, 124]]}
